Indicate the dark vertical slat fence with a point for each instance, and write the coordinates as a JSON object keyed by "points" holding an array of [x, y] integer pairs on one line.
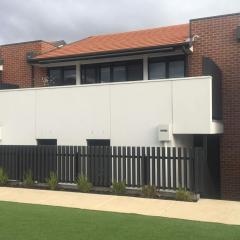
{"points": [[158, 168], [114, 164], [119, 165], [138, 184], [128, 166], [174, 169], [169, 174], [153, 167], [143, 172], [124, 154], [17, 161], [133, 167], [179, 160], [165, 168]]}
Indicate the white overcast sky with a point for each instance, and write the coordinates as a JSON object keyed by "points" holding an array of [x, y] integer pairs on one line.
{"points": [[26, 20]]}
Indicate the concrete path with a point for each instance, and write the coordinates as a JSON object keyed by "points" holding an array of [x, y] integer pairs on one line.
{"points": [[227, 212]]}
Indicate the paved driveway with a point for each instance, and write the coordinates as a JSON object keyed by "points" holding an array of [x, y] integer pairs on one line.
{"points": [[227, 212]]}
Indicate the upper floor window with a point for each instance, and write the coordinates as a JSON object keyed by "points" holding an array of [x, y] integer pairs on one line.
{"points": [[105, 74], [112, 72], [176, 69], [62, 76], [157, 70], [172, 67]]}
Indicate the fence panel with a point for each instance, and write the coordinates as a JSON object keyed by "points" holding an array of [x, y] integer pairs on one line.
{"points": [[165, 168], [17, 161]]}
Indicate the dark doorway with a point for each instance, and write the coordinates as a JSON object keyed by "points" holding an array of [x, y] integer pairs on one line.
{"points": [[99, 163], [210, 167]]}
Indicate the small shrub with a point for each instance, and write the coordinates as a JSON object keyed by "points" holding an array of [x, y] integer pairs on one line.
{"points": [[52, 181], [3, 177], [28, 179], [83, 184], [183, 195], [119, 187], [149, 191]]}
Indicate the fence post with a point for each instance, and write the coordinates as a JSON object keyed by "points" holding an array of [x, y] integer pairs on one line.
{"points": [[110, 174], [88, 163], [143, 182], [191, 170]]}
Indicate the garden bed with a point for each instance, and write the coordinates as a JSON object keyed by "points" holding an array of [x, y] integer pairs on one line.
{"points": [[131, 192]]}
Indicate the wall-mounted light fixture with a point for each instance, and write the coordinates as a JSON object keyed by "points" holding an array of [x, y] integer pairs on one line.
{"points": [[1, 64]]}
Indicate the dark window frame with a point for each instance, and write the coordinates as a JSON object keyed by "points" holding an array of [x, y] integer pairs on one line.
{"points": [[98, 66], [167, 60], [62, 73]]}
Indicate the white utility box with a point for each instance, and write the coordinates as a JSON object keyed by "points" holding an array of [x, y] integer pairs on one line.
{"points": [[165, 132], [1, 67]]}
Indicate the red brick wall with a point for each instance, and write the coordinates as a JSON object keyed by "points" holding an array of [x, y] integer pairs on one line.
{"points": [[217, 40], [39, 74], [16, 69]]}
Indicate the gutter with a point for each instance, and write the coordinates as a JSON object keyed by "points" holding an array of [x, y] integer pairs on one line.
{"points": [[108, 54]]}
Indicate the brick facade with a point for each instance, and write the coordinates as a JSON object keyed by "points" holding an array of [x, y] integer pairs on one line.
{"points": [[217, 40], [16, 68]]}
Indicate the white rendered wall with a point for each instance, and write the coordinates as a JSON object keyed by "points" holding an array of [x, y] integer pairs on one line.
{"points": [[126, 113]]}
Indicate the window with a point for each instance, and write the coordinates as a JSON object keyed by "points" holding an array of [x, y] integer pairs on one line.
{"points": [[55, 77], [46, 142], [135, 71], [171, 67], [90, 75], [62, 76], [157, 70], [105, 74], [69, 77], [176, 69], [119, 73], [112, 72]]}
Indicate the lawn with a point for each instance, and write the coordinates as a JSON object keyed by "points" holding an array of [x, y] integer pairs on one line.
{"points": [[34, 222]]}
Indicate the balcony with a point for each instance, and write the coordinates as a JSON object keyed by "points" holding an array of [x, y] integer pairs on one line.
{"points": [[128, 113]]}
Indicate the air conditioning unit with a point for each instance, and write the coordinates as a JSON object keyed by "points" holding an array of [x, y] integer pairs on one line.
{"points": [[165, 132]]}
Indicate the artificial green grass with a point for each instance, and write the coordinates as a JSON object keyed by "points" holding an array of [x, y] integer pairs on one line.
{"points": [[34, 222]]}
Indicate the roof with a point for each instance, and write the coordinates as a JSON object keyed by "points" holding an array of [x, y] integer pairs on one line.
{"points": [[163, 36], [58, 43], [54, 43]]}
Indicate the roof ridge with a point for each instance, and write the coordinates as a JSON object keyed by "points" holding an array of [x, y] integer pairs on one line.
{"points": [[140, 30], [117, 33]]}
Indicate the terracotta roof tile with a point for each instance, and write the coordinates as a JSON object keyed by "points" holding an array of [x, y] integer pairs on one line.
{"points": [[123, 41]]}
